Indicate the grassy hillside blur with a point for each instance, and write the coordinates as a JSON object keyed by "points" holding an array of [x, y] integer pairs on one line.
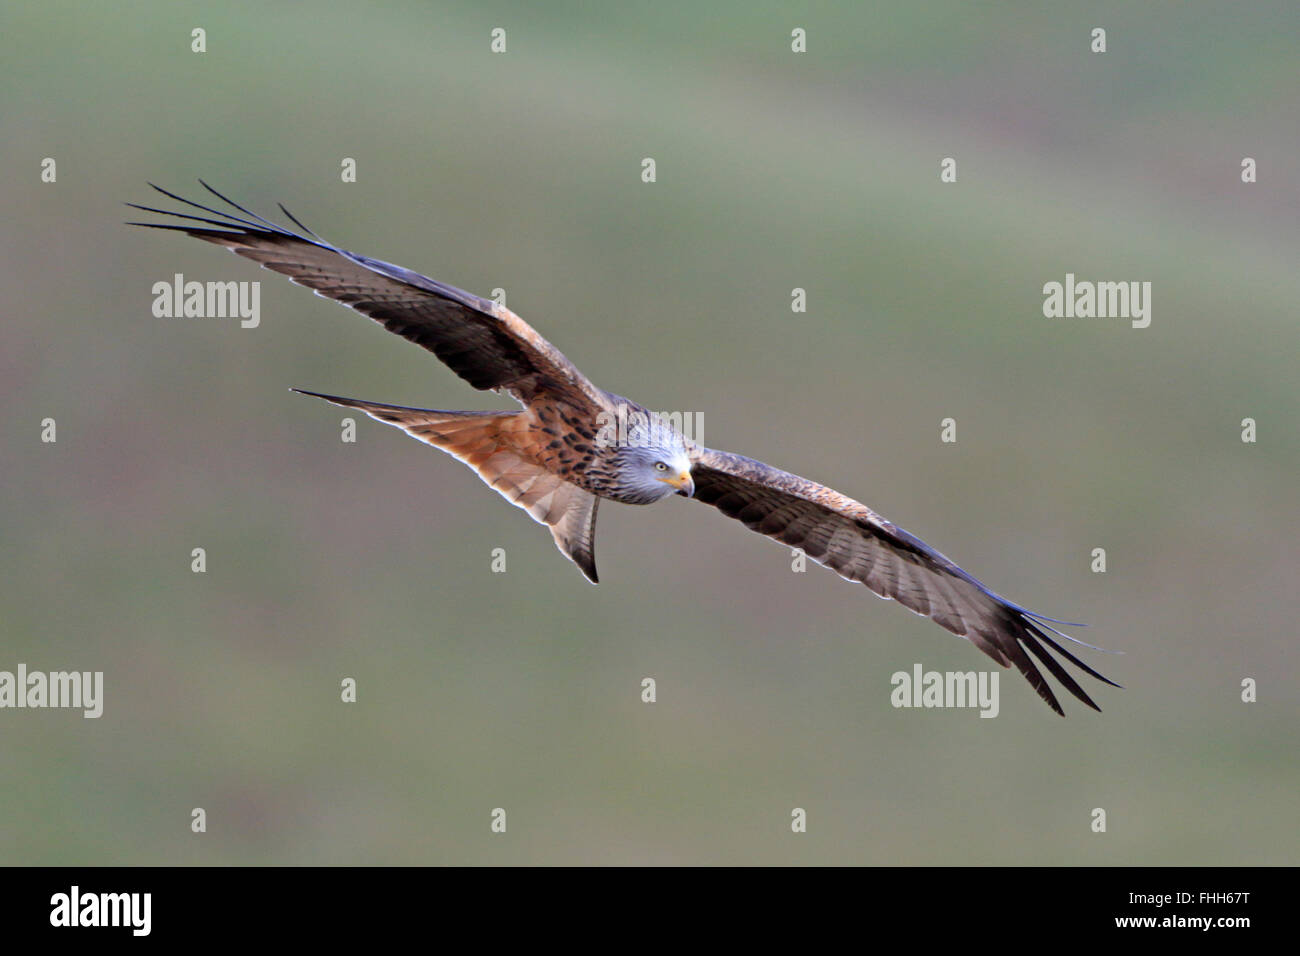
{"points": [[775, 170]]}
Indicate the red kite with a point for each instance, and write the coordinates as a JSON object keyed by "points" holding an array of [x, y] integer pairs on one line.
{"points": [[555, 459]]}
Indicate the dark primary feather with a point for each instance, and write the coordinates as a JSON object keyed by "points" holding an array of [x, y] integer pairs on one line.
{"points": [[487, 345], [848, 537]]}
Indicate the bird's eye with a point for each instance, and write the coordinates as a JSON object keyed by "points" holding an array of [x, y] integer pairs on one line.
{"points": [[660, 466]]}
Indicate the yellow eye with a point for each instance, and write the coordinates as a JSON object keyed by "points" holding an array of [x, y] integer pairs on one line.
{"points": [[660, 466]]}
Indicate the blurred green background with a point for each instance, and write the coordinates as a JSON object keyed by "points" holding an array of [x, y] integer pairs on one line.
{"points": [[775, 170]]}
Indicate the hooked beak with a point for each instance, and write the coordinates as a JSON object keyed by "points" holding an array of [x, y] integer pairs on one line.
{"points": [[684, 484]]}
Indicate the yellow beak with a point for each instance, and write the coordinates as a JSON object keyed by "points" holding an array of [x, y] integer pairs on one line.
{"points": [[684, 484]]}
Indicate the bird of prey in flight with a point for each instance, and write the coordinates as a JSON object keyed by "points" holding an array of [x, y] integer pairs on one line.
{"points": [[554, 458]]}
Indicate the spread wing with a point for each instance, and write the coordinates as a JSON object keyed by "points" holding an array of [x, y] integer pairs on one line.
{"points": [[484, 343], [859, 545]]}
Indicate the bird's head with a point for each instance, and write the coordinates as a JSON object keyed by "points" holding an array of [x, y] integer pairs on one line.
{"points": [[654, 463]]}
